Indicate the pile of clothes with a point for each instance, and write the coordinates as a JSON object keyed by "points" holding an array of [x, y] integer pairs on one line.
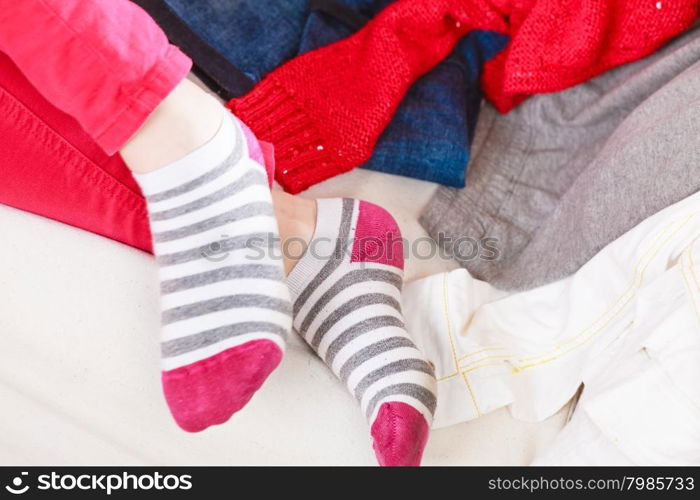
{"points": [[331, 109], [565, 131]]}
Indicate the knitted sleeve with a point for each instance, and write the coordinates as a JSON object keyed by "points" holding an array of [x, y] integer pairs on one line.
{"points": [[325, 110]]}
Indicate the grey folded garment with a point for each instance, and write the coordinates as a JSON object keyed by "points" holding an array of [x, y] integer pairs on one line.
{"points": [[564, 174]]}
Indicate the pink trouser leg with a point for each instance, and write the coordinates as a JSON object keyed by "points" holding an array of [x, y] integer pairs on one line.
{"points": [[107, 64], [104, 62]]}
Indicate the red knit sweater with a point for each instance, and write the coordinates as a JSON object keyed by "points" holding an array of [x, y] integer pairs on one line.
{"points": [[325, 110]]}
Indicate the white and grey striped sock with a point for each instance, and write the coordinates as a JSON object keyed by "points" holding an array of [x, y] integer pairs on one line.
{"points": [[346, 293], [225, 306]]}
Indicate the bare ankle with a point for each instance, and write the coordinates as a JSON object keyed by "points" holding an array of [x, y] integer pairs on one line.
{"points": [[296, 217], [184, 121]]}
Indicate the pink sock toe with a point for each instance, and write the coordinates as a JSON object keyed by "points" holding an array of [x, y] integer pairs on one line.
{"points": [[400, 433], [209, 391]]}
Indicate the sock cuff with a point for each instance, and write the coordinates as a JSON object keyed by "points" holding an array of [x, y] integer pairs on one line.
{"points": [[329, 219], [227, 141]]}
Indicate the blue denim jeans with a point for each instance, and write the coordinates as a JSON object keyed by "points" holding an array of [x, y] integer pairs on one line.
{"points": [[235, 43]]}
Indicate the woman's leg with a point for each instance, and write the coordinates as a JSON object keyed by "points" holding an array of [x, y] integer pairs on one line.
{"points": [[346, 294], [225, 304], [365, 345], [347, 304], [104, 62], [225, 313], [225, 316], [186, 119]]}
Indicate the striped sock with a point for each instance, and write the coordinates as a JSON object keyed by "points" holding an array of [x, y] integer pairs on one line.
{"points": [[225, 307], [346, 293]]}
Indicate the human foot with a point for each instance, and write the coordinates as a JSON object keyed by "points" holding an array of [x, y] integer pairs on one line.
{"points": [[346, 293], [225, 316]]}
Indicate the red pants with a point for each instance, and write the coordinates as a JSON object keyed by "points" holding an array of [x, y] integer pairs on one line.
{"points": [[77, 80]]}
